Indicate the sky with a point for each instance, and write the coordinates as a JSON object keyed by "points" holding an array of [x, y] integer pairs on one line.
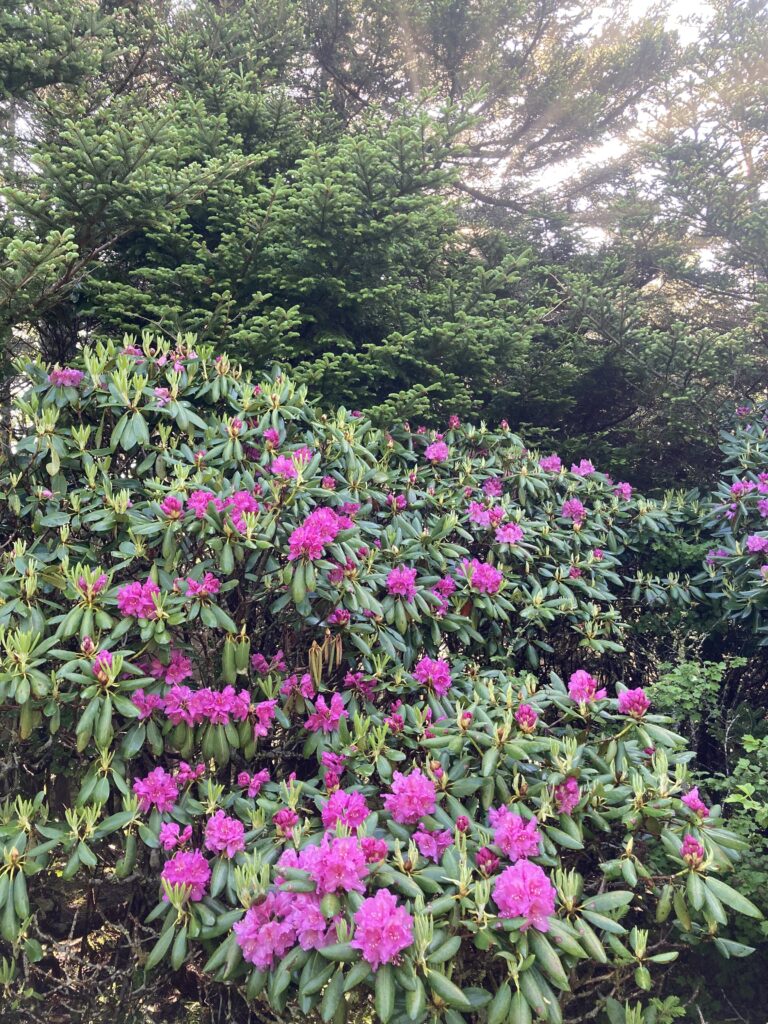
{"points": [[680, 14]]}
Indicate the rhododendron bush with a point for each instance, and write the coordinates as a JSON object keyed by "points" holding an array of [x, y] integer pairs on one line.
{"points": [[326, 707]]}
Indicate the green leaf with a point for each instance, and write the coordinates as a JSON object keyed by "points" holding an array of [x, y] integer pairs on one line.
{"points": [[731, 898]]}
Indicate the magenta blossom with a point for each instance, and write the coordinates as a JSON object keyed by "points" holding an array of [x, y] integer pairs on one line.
{"points": [[509, 533], [582, 688], [437, 451], [482, 576], [224, 834], [65, 377], [623, 491], [434, 673], [523, 890], [432, 845], [382, 929], [551, 463], [349, 809], [401, 582], [694, 803], [633, 702], [567, 795], [326, 718], [411, 798], [574, 510], [526, 718], [136, 599], [171, 836], [158, 789], [188, 868], [692, 852], [515, 836], [583, 468]]}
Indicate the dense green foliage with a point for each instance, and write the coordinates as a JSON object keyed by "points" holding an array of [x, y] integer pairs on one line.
{"points": [[361, 191], [165, 542]]}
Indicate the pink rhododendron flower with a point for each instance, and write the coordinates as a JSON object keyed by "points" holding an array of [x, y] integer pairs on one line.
{"points": [[339, 866], [188, 868], [349, 809], [486, 860], [437, 451], [271, 436], [567, 795], [492, 487], [224, 834], [692, 852], [515, 836], [158, 789], [136, 599], [162, 396], [171, 836], [583, 468], [147, 703], [434, 673], [178, 705], [523, 890], [401, 582], [265, 712], [757, 545], [526, 718], [65, 377], [462, 823], [178, 669], [411, 798], [582, 688], [574, 510], [482, 577], [326, 718], [284, 820], [551, 463], [208, 586], [633, 702], [172, 507], [319, 528], [186, 773], [693, 802], [375, 850], [253, 783], [382, 929], [510, 533], [432, 845], [623, 490], [454, 422]]}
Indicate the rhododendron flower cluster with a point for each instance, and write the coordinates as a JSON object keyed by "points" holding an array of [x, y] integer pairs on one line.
{"points": [[401, 582], [693, 802], [634, 702], [437, 451], [574, 509], [189, 868], [567, 795], [692, 852], [252, 783], [515, 836], [137, 599], [510, 533], [526, 718], [158, 789], [224, 834], [482, 577], [276, 924], [319, 529], [348, 809], [193, 707], [551, 463], [583, 688], [66, 377], [411, 798], [325, 717], [432, 845], [434, 673], [382, 929], [523, 890]]}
